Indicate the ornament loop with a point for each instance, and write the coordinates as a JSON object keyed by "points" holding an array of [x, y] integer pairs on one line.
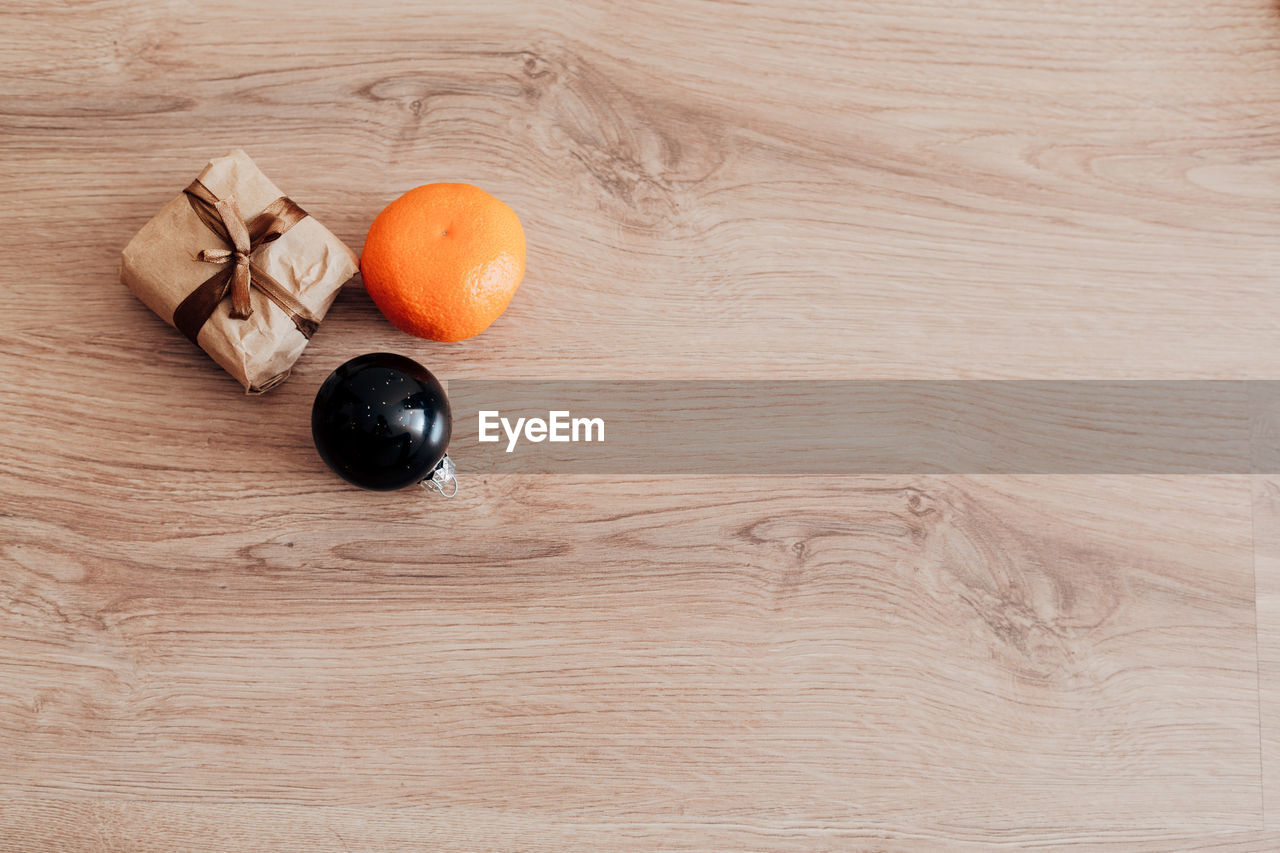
{"points": [[441, 476]]}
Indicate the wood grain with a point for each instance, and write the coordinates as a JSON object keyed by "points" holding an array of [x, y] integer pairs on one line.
{"points": [[208, 642]]}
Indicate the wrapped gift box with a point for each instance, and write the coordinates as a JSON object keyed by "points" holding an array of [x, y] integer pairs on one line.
{"points": [[240, 269]]}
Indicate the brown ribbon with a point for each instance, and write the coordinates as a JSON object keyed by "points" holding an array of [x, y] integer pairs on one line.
{"points": [[238, 273]]}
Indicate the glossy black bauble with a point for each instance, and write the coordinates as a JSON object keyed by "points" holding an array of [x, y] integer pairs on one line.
{"points": [[381, 421]]}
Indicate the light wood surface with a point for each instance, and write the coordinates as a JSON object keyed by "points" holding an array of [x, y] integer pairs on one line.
{"points": [[209, 642]]}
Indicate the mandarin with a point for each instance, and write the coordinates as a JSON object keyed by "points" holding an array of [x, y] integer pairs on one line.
{"points": [[443, 261]]}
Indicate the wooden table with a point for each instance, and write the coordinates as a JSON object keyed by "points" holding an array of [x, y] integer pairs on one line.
{"points": [[208, 642]]}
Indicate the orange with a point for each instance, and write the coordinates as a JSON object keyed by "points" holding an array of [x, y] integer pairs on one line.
{"points": [[443, 261]]}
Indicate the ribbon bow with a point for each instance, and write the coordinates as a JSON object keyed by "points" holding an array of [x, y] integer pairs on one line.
{"points": [[238, 274]]}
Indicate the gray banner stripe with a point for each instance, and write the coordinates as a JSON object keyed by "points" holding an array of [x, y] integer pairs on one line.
{"points": [[870, 427]]}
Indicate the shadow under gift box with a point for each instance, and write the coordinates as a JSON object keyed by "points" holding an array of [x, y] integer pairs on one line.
{"points": [[177, 252]]}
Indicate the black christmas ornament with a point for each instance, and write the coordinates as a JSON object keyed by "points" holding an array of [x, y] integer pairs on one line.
{"points": [[382, 421]]}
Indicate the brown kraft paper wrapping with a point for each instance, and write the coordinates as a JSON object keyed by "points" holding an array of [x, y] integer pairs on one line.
{"points": [[178, 251]]}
